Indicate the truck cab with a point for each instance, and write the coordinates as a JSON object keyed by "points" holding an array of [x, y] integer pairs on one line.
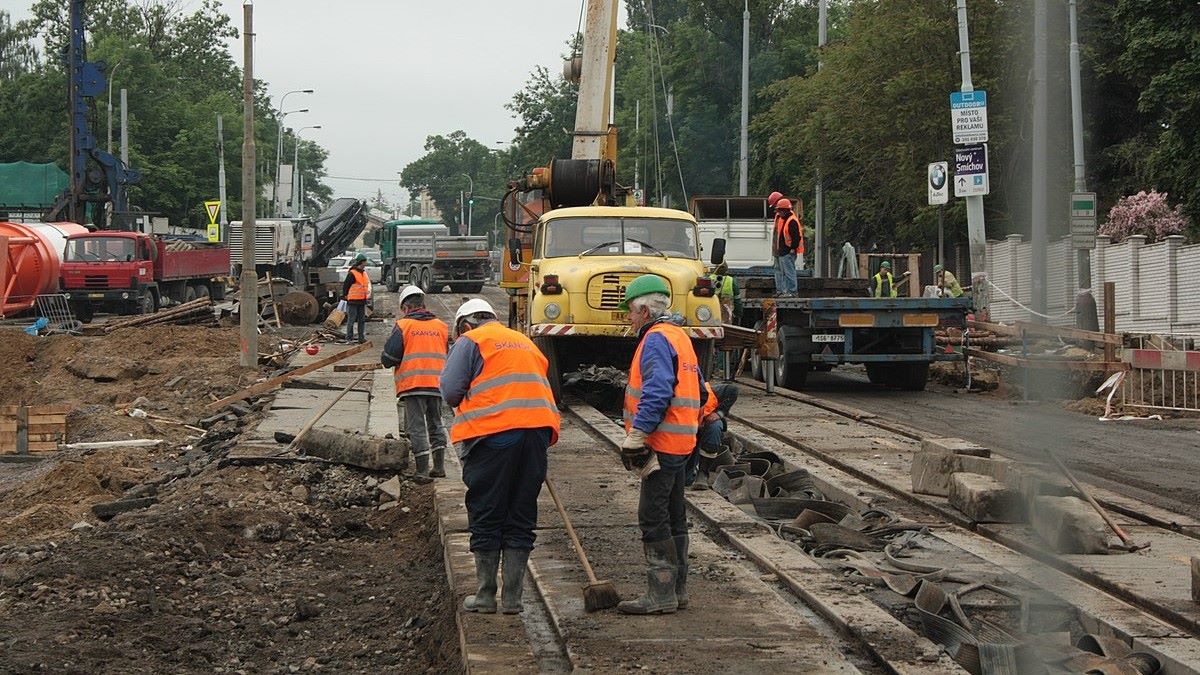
{"points": [[582, 259], [109, 268]]}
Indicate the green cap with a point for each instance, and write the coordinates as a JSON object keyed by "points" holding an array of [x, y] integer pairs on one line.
{"points": [[644, 285], [938, 267], [886, 264], [360, 258]]}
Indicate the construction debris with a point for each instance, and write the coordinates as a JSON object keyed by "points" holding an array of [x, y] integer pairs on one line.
{"points": [[196, 312], [367, 452]]}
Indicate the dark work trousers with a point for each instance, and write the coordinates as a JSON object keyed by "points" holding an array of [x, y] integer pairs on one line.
{"points": [[709, 438], [504, 476], [356, 314], [661, 509]]}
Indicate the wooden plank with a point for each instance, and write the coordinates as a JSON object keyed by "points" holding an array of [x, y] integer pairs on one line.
{"points": [[1067, 333], [10, 437], [268, 385], [1110, 318], [11, 427], [61, 409], [356, 367], [1049, 364]]}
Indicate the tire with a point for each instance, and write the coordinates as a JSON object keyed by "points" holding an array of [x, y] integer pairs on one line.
{"points": [[427, 281], [877, 373], [189, 294], [393, 284], [910, 376], [472, 288], [705, 350], [83, 311], [202, 291], [147, 305], [795, 375], [549, 349]]}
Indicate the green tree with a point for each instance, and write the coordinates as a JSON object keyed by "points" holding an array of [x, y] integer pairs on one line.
{"points": [[17, 55], [448, 169]]}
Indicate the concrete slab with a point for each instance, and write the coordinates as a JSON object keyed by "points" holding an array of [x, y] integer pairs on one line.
{"points": [[984, 499], [1070, 525]]}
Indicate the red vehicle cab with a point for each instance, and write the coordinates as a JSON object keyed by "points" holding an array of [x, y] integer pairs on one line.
{"points": [[133, 273]]}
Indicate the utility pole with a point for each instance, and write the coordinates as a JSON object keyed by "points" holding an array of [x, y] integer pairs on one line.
{"points": [[124, 126], [976, 231], [744, 154], [297, 183], [1083, 261], [223, 219], [248, 308], [819, 201], [1040, 156], [112, 76]]}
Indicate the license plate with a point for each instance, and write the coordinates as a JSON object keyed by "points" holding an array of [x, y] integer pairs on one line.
{"points": [[96, 296], [829, 337], [620, 316]]}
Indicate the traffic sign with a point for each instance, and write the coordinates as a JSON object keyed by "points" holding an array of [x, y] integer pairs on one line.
{"points": [[1083, 205], [938, 181], [970, 171], [212, 209], [968, 116], [1083, 220]]}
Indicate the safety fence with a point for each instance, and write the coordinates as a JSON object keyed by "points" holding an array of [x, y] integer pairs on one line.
{"points": [[1161, 379]]}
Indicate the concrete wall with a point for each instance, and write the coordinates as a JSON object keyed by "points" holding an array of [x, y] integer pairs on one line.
{"points": [[1153, 282]]}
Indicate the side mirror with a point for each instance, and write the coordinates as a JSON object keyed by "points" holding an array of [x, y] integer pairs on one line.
{"points": [[514, 249], [718, 251]]}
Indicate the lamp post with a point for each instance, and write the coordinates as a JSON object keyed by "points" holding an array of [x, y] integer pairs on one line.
{"points": [[279, 140], [471, 206], [297, 203], [112, 75]]}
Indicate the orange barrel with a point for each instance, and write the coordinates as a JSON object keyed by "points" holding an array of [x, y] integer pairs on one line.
{"points": [[31, 263]]}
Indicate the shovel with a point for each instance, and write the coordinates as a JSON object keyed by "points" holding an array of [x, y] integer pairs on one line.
{"points": [[597, 594], [1126, 540]]}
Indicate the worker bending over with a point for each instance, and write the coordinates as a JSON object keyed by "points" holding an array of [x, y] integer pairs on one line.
{"points": [[356, 291], [883, 285], [662, 416], [713, 425], [504, 418], [789, 247], [417, 351], [946, 282]]}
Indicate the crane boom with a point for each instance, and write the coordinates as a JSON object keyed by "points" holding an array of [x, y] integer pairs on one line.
{"points": [[592, 123]]}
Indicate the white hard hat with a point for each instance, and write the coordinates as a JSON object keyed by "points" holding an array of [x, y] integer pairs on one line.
{"points": [[473, 306], [408, 291]]}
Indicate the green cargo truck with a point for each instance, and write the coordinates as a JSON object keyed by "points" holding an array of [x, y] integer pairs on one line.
{"points": [[422, 253]]}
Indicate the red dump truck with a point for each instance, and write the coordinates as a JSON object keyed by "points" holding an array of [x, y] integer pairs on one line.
{"points": [[133, 273]]}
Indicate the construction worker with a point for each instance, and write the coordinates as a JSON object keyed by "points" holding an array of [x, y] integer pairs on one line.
{"points": [[774, 198], [788, 245], [947, 282], [727, 292], [663, 401], [504, 419], [721, 398], [882, 284], [416, 350], [356, 291]]}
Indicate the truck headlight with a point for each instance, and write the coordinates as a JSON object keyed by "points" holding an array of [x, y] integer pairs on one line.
{"points": [[703, 314], [552, 310], [124, 296]]}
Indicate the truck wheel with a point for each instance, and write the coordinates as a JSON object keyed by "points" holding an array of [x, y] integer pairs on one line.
{"points": [[472, 288], [794, 375], [189, 294], [427, 281], [877, 373], [82, 311], [202, 291], [414, 276], [147, 305], [393, 276], [910, 376], [549, 349]]}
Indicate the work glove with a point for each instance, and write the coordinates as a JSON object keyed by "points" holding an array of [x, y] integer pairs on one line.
{"points": [[636, 456]]}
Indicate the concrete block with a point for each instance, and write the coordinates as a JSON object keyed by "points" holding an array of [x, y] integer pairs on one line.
{"points": [[954, 446], [931, 471], [985, 500], [1070, 525]]}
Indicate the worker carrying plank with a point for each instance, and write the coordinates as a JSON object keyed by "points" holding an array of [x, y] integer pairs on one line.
{"points": [[417, 351], [505, 419], [663, 400]]}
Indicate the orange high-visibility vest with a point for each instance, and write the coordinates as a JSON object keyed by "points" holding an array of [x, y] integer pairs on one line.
{"points": [[781, 232], [511, 392], [358, 289], [711, 403], [676, 434], [424, 354]]}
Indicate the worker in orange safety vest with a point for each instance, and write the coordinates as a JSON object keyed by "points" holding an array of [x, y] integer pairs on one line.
{"points": [[663, 400], [504, 418], [789, 247], [356, 291], [417, 352]]}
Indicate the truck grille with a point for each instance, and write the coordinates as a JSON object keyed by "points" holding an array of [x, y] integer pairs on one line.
{"points": [[606, 291], [95, 281]]}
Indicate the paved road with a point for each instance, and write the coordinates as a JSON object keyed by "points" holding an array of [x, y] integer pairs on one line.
{"points": [[1156, 461]]}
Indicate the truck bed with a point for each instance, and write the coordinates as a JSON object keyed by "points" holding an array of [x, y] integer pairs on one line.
{"points": [[427, 249], [199, 261]]}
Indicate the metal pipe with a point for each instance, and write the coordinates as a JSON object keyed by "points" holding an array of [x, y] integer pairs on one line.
{"points": [[125, 126], [112, 76], [1040, 155], [248, 309], [744, 154], [1083, 263], [976, 234]]}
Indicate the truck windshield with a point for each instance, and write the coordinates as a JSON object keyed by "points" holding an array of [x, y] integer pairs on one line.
{"points": [[620, 236], [100, 249]]}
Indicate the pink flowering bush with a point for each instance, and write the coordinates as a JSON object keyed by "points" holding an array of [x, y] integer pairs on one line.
{"points": [[1144, 213]]}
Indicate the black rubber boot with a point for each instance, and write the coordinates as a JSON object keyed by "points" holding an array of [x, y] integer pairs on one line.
{"points": [[484, 600], [422, 475], [515, 560], [439, 463], [681, 570], [661, 568]]}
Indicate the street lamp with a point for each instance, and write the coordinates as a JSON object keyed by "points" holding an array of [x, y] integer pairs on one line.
{"points": [[279, 139], [279, 155], [471, 206], [297, 201], [112, 75]]}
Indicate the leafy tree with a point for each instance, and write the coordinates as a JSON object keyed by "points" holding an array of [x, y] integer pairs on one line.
{"points": [[448, 169], [17, 55]]}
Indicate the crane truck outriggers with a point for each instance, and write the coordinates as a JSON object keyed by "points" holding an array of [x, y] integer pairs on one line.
{"points": [[578, 240]]}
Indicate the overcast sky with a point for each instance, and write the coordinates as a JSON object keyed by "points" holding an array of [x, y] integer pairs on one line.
{"points": [[386, 74]]}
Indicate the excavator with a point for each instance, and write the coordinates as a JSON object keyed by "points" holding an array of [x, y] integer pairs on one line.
{"points": [[577, 239]]}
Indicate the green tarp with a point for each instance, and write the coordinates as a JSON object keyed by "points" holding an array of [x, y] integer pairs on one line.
{"points": [[25, 185]]}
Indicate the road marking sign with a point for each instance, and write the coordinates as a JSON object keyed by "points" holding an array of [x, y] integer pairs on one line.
{"points": [[939, 183], [970, 171], [968, 116]]}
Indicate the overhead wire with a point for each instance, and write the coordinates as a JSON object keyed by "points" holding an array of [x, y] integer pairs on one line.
{"points": [[670, 122]]}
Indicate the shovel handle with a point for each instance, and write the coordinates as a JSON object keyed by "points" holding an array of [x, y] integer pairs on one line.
{"points": [[562, 512], [1125, 538]]}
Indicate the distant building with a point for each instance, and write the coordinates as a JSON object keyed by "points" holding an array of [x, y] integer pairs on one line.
{"points": [[429, 209]]}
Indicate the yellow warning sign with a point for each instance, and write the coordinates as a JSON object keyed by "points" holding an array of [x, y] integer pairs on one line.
{"points": [[214, 229]]}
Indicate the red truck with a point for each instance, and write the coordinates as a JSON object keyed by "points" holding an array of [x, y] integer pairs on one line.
{"points": [[133, 273]]}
